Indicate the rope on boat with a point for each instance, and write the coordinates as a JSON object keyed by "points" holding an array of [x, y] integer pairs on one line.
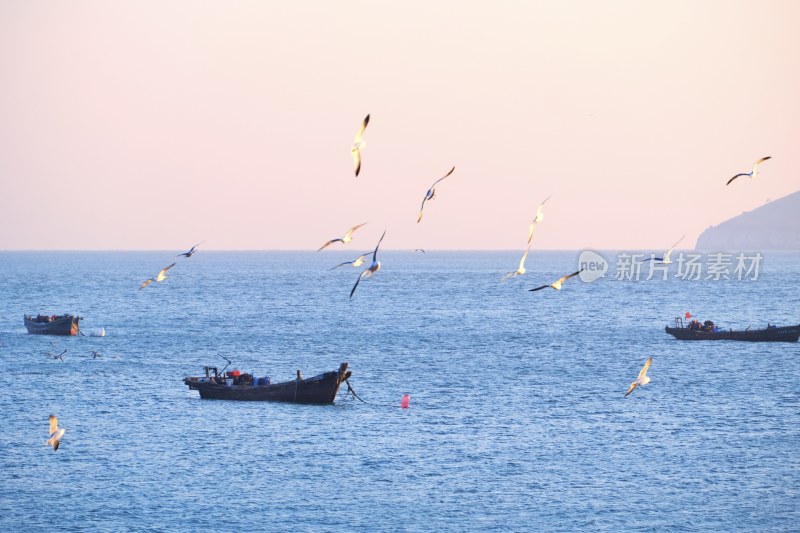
{"points": [[350, 389]]}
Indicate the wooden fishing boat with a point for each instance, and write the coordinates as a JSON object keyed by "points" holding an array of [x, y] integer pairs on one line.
{"points": [[52, 324], [708, 331], [221, 385]]}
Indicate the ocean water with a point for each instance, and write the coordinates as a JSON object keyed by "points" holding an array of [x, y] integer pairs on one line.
{"points": [[518, 420]]}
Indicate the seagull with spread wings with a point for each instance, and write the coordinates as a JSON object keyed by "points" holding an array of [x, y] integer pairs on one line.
{"points": [[431, 194], [162, 275], [358, 261], [537, 219], [191, 252], [557, 284], [55, 433], [642, 378], [521, 270], [359, 145], [344, 240], [666, 259], [753, 173], [374, 267]]}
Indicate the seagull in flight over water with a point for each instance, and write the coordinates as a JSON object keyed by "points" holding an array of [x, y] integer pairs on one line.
{"points": [[344, 240], [642, 378], [374, 267], [666, 259], [538, 218], [557, 284], [55, 433], [521, 270], [162, 275], [359, 145], [431, 194], [358, 261], [753, 173], [191, 252]]}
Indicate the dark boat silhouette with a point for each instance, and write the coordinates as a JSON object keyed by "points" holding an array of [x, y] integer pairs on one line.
{"points": [[221, 385], [52, 324], [708, 331]]}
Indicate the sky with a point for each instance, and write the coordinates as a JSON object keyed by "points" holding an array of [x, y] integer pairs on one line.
{"points": [[159, 124]]}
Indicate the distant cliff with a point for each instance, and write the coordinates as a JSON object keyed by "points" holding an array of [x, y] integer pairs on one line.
{"points": [[774, 226]]}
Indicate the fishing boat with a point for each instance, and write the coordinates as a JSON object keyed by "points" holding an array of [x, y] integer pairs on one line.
{"points": [[52, 324], [708, 331], [234, 385]]}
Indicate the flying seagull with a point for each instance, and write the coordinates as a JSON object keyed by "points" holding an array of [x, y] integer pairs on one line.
{"points": [[538, 218], [557, 284], [344, 240], [359, 145], [162, 275], [753, 173], [419, 250], [374, 267], [55, 433], [642, 378], [521, 270], [666, 259], [57, 356], [191, 252], [358, 261], [431, 194]]}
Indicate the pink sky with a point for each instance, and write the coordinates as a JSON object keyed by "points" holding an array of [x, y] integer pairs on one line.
{"points": [[158, 124]]}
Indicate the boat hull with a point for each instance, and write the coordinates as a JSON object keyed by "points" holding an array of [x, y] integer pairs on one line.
{"points": [[321, 389], [782, 334], [66, 325]]}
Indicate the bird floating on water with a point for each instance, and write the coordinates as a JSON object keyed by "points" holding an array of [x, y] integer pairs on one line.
{"points": [[55, 433], [431, 194], [753, 173], [374, 267], [557, 284], [642, 378], [344, 240], [537, 219], [358, 261], [359, 145], [521, 270], [191, 252]]}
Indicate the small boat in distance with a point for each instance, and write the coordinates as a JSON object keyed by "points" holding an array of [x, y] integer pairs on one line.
{"points": [[52, 324], [708, 331], [221, 385]]}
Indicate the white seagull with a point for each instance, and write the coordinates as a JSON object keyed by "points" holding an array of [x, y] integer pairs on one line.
{"points": [[162, 275], [521, 270], [642, 378], [55, 433], [358, 261], [666, 259], [374, 267], [191, 252], [359, 145], [344, 240], [753, 173], [431, 194], [538, 218], [557, 284]]}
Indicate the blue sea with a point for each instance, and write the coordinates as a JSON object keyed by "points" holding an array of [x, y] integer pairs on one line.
{"points": [[517, 420]]}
